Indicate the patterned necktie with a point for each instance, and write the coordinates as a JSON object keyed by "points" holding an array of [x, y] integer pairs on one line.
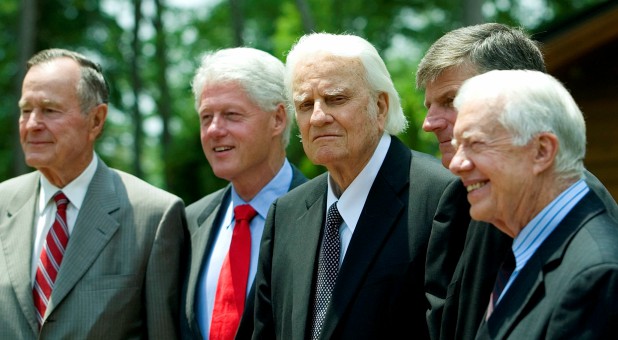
{"points": [[328, 267], [504, 273], [51, 257], [232, 285]]}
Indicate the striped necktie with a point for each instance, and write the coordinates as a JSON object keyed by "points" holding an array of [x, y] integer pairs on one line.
{"points": [[51, 257]]}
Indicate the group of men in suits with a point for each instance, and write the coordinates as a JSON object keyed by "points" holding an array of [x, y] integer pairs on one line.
{"points": [[380, 245]]}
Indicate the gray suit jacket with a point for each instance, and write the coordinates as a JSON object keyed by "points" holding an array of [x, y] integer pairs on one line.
{"points": [[119, 275], [204, 219], [569, 287], [485, 249], [379, 293]]}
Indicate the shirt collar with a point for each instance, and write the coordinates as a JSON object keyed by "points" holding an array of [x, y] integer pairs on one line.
{"points": [[278, 186], [75, 191], [545, 222], [352, 200]]}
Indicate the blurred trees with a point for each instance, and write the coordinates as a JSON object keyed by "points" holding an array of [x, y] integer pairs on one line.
{"points": [[152, 128]]}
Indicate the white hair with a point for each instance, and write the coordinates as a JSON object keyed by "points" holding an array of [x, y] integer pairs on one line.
{"points": [[532, 102], [350, 46]]}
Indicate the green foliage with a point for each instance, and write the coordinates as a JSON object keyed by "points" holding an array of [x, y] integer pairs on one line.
{"points": [[103, 30]]}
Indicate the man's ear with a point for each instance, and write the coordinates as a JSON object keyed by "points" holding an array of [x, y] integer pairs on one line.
{"points": [[382, 103], [97, 120], [545, 146], [280, 119]]}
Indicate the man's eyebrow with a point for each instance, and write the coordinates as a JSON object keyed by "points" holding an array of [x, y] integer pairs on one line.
{"points": [[335, 91]]}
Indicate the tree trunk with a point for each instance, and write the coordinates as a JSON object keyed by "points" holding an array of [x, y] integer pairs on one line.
{"points": [[164, 101], [238, 21], [27, 42], [305, 15], [137, 89], [472, 12]]}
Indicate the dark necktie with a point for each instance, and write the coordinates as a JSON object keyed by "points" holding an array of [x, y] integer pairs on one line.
{"points": [[232, 284], [328, 267], [504, 273], [51, 257]]}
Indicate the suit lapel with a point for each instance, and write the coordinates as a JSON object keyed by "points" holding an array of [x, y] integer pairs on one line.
{"points": [[305, 236], [381, 213], [202, 240], [93, 229], [528, 288], [17, 241]]}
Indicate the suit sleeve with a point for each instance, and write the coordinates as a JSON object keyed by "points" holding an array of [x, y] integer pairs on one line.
{"points": [[162, 290], [448, 235], [264, 323], [589, 309]]}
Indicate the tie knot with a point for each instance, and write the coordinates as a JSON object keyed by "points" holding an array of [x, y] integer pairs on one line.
{"points": [[244, 212], [61, 200], [334, 217]]}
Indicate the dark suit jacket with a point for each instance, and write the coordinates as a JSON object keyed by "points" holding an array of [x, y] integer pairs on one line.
{"points": [[204, 219], [486, 246], [569, 287], [379, 293], [119, 278]]}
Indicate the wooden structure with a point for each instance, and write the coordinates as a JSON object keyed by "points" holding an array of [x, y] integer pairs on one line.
{"points": [[582, 53]]}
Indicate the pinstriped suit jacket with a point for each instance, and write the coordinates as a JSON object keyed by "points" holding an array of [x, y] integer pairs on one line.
{"points": [[119, 276]]}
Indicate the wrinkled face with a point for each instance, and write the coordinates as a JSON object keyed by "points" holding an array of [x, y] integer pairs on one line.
{"points": [[55, 136], [441, 114], [498, 175], [340, 122], [236, 134]]}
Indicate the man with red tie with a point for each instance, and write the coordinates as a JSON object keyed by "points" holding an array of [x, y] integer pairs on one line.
{"points": [[244, 129], [86, 251]]}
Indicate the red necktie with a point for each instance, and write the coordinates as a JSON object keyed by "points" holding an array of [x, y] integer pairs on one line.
{"points": [[232, 285], [51, 257]]}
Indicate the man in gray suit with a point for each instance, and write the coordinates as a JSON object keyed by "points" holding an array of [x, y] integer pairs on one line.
{"points": [[343, 256], [118, 275], [245, 128], [520, 142]]}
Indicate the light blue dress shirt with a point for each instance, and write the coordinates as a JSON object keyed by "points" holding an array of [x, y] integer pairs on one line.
{"points": [[209, 274]]}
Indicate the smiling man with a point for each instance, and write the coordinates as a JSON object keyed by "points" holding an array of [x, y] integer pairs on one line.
{"points": [[520, 142], [343, 256], [244, 129]]}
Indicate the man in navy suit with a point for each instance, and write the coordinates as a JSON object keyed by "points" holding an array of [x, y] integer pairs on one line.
{"points": [[520, 141], [245, 128]]}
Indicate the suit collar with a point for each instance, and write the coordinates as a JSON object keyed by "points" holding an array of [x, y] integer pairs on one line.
{"points": [[381, 213], [528, 286], [17, 241], [94, 227]]}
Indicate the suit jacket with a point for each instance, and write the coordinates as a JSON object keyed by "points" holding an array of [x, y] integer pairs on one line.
{"points": [[204, 219], [379, 293], [569, 287], [119, 275], [485, 249]]}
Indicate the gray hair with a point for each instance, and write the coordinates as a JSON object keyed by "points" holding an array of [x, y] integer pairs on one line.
{"points": [[257, 72], [92, 89], [350, 46], [532, 102], [484, 47]]}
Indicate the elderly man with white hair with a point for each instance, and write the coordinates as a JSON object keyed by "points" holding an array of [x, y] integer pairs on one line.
{"points": [[520, 142], [343, 256]]}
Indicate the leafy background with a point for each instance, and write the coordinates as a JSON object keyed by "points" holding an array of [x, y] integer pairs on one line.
{"points": [[149, 50]]}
